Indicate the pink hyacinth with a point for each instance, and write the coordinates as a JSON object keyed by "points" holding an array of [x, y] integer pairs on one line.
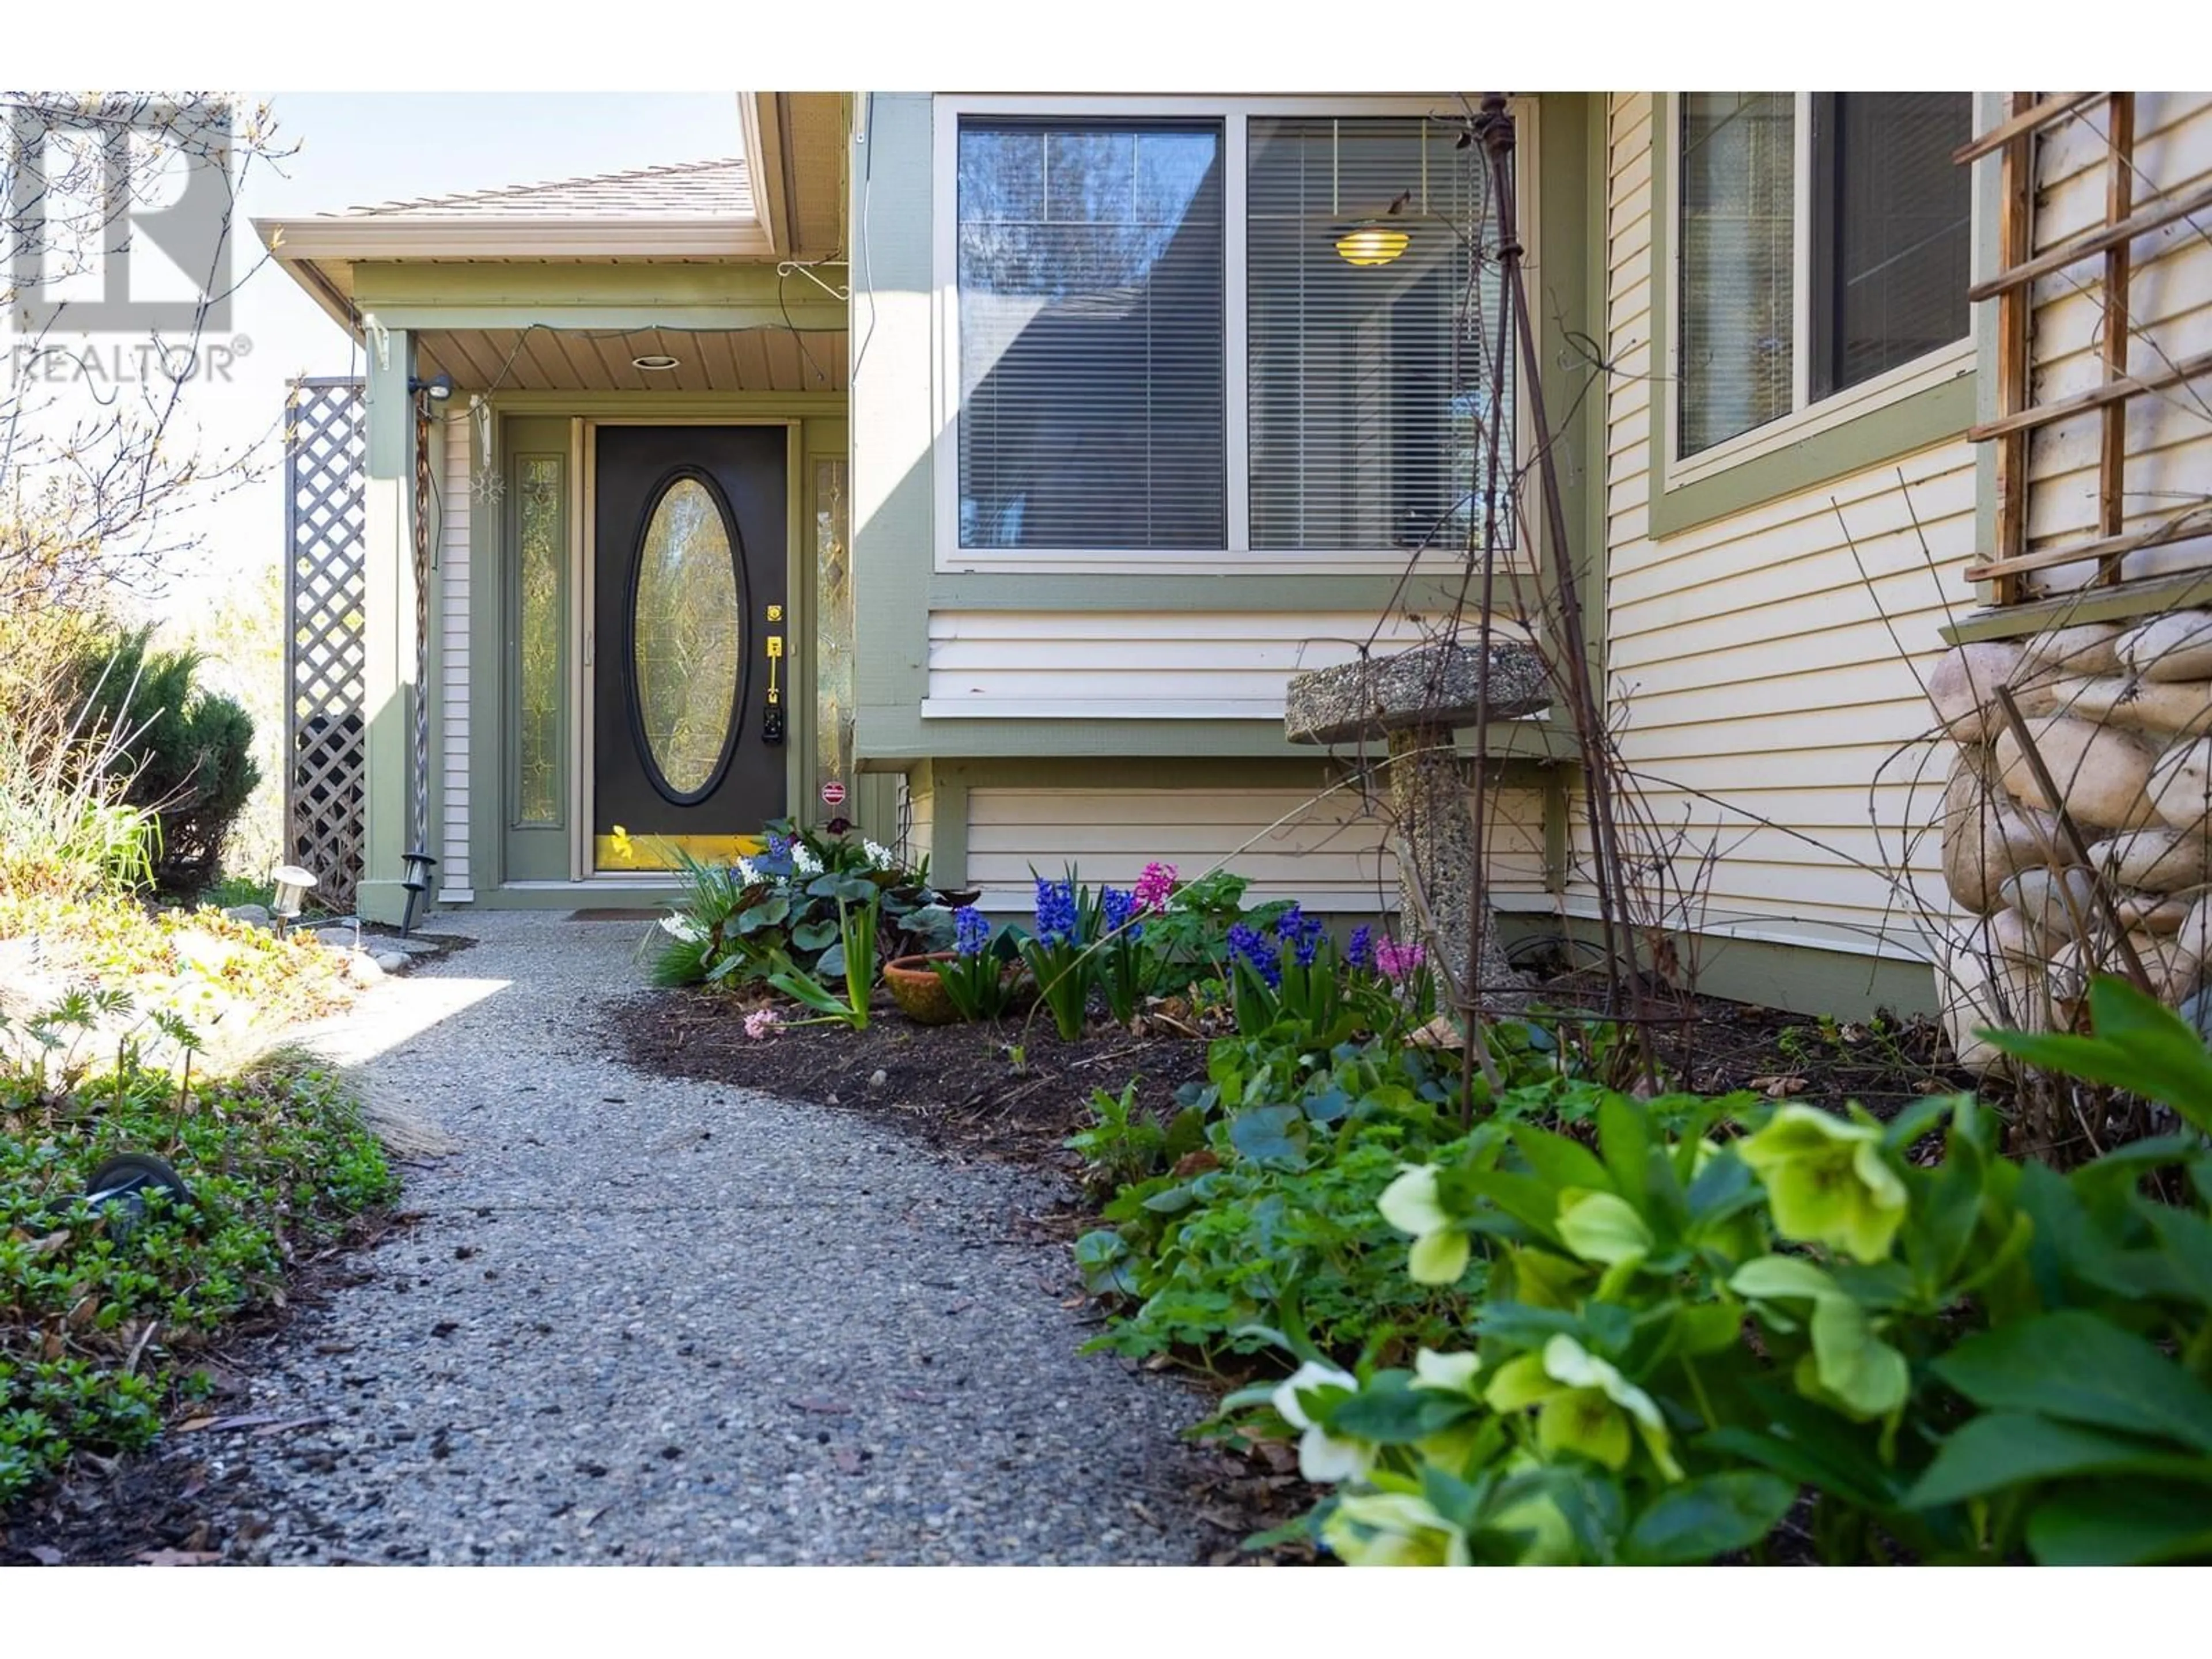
{"points": [[1154, 886], [761, 1023], [1394, 961]]}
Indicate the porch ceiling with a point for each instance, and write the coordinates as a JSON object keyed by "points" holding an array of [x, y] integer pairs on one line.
{"points": [[599, 359]]}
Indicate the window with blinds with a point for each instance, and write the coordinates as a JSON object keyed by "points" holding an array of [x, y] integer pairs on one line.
{"points": [[1892, 221], [1370, 385], [1092, 335], [1738, 259]]}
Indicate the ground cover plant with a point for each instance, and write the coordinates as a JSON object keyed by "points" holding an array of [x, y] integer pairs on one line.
{"points": [[101, 1310]]}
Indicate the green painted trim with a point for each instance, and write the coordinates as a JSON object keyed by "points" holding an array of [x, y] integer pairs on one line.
{"points": [[888, 736], [1558, 854], [434, 294], [573, 895], [675, 405], [1926, 418], [388, 626], [2147, 598], [1801, 979], [1230, 591]]}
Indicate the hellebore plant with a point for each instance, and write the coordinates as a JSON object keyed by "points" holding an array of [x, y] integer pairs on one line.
{"points": [[1685, 1336]]}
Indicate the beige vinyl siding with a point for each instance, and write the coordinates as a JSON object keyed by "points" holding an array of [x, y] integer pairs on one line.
{"points": [[452, 710], [1327, 854], [2169, 434], [1772, 727], [1140, 665]]}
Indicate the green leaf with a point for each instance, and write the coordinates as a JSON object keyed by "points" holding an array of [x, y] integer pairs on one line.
{"points": [[2074, 1365], [831, 963], [1273, 1137], [2012, 1449], [1560, 1162], [767, 914], [1623, 1138], [814, 935], [1388, 1412], [1700, 1519], [1781, 1275], [2121, 1523]]}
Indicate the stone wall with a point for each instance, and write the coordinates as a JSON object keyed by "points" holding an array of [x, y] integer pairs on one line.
{"points": [[2122, 716]]}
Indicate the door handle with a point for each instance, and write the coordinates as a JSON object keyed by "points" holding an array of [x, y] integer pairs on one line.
{"points": [[772, 716]]}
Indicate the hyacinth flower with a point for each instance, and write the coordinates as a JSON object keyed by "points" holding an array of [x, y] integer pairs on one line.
{"points": [[1156, 886], [1360, 950], [1122, 974], [975, 979], [1058, 955]]}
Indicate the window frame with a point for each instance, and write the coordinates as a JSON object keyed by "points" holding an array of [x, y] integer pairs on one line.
{"points": [[1808, 417], [1237, 558]]}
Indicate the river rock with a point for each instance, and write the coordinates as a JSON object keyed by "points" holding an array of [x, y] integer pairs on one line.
{"points": [[256, 915], [362, 967], [2168, 709], [2180, 786], [2151, 912], [2009, 934], [1987, 837], [2159, 859], [2074, 964], [1961, 683], [2172, 647], [2101, 770], [2051, 902], [2085, 648]]}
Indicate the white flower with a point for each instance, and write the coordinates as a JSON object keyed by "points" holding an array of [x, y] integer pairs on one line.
{"points": [[682, 927], [1446, 1373], [746, 874], [1393, 1529], [1323, 1457], [879, 855], [803, 859], [1410, 1205]]}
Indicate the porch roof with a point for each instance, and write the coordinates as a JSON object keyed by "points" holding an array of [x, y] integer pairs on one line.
{"points": [[781, 199]]}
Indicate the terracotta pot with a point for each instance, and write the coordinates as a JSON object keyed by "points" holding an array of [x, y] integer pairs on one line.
{"points": [[920, 994]]}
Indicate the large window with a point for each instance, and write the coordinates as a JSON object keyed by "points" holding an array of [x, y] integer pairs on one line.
{"points": [[1092, 338], [1825, 240], [1264, 332]]}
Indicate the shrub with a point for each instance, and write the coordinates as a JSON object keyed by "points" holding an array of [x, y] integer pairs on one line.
{"points": [[184, 756], [1690, 1332]]}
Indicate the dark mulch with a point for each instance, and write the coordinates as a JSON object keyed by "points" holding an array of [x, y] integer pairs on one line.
{"points": [[1002, 1092]]}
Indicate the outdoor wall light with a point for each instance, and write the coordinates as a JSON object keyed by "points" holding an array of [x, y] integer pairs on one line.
{"points": [[1372, 243], [437, 388], [416, 881], [655, 362], [292, 885]]}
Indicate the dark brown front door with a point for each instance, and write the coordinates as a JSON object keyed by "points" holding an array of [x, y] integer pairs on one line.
{"points": [[692, 684]]}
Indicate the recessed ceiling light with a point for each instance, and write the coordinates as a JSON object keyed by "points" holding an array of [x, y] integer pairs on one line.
{"points": [[655, 362]]}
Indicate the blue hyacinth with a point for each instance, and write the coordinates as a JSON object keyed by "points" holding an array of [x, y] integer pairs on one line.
{"points": [[1259, 953], [1118, 909], [1359, 952], [1055, 912], [972, 933]]}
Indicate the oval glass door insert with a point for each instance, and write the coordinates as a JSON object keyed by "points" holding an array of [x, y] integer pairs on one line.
{"points": [[687, 625]]}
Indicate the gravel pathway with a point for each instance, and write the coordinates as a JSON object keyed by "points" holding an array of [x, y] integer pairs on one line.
{"points": [[649, 1320]]}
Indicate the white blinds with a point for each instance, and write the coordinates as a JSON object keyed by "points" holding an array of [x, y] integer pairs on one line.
{"points": [[1091, 336], [1738, 229], [1370, 385]]}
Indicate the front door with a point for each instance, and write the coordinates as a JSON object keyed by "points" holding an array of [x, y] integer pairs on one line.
{"points": [[691, 687]]}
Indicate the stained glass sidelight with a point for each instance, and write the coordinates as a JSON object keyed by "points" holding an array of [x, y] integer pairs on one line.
{"points": [[833, 626], [542, 548]]}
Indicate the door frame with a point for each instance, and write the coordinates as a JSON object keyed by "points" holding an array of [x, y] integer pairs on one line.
{"points": [[583, 653]]}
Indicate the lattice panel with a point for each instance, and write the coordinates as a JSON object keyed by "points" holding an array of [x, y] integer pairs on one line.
{"points": [[326, 653]]}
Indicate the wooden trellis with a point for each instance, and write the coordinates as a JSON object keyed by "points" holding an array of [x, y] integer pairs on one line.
{"points": [[325, 650], [2014, 141]]}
